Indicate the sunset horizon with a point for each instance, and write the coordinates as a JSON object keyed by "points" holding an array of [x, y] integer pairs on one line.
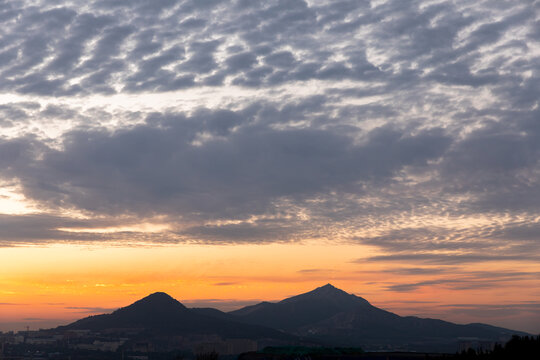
{"points": [[78, 296], [225, 305]]}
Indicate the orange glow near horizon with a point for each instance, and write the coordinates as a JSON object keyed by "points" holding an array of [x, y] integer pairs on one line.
{"points": [[60, 283]]}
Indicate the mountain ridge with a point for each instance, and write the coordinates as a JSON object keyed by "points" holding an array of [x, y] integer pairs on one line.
{"points": [[160, 314], [325, 315], [335, 317]]}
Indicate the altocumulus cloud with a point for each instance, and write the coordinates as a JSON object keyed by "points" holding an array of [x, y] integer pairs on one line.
{"points": [[411, 126]]}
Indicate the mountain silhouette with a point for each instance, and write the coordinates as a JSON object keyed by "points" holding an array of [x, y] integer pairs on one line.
{"points": [[327, 316], [337, 318], [160, 314], [301, 310]]}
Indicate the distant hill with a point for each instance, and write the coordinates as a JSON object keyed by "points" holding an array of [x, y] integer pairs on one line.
{"points": [[302, 310], [326, 316], [160, 314], [340, 319]]}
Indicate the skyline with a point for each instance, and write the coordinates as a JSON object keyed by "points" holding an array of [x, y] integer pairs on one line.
{"points": [[257, 149]]}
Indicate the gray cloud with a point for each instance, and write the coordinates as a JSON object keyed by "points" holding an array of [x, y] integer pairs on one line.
{"points": [[452, 259], [225, 283], [42, 228], [90, 310], [164, 161], [422, 270], [467, 280], [14, 113], [11, 304], [363, 115], [99, 48], [314, 271]]}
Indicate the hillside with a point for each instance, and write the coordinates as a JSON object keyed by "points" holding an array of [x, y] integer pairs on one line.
{"points": [[337, 318], [160, 314]]}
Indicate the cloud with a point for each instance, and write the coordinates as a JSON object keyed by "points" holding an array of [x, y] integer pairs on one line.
{"points": [[465, 280], [383, 123], [43, 229], [101, 48], [422, 270], [165, 160], [11, 304], [314, 271], [90, 310], [225, 283], [451, 259], [13, 113]]}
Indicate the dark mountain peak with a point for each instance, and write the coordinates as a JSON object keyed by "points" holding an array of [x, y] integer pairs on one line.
{"points": [[305, 309], [158, 302], [159, 297], [327, 292], [150, 312], [159, 314], [329, 289]]}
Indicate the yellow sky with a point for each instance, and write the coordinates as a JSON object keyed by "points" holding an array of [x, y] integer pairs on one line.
{"points": [[66, 282]]}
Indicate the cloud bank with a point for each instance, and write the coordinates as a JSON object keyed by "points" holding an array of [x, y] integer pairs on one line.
{"points": [[408, 126]]}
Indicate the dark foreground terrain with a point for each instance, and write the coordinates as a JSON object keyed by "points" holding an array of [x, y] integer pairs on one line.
{"points": [[518, 348]]}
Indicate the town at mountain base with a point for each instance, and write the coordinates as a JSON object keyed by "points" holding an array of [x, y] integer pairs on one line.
{"points": [[326, 317]]}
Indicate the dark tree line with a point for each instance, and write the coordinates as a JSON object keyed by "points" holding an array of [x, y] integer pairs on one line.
{"points": [[519, 348]]}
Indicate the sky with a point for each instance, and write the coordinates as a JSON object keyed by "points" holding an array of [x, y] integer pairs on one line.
{"points": [[228, 152]]}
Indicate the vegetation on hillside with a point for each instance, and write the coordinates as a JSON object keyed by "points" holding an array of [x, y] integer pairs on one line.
{"points": [[519, 348]]}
